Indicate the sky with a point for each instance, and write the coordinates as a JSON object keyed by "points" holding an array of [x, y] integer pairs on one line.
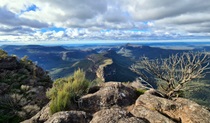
{"points": [[73, 21]]}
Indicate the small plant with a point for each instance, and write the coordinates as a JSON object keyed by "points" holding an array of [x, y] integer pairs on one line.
{"points": [[66, 91], [140, 91], [3, 54]]}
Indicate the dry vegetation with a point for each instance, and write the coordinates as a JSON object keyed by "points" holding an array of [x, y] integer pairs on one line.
{"points": [[176, 71]]}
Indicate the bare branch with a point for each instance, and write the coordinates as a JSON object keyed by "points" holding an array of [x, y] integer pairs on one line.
{"points": [[177, 70]]}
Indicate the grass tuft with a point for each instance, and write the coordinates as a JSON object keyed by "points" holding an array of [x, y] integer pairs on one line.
{"points": [[66, 91]]}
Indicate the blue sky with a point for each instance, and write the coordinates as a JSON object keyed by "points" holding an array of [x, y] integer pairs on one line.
{"points": [[73, 21]]}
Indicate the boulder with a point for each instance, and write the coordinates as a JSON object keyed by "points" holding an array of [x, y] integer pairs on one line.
{"points": [[41, 116], [44, 116], [189, 111], [119, 103], [115, 115], [69, 117], [158, 109], [110, 94], [151, 115]]}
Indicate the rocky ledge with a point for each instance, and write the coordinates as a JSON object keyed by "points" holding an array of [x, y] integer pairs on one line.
{"points": [[120, 103], [22, 88]]}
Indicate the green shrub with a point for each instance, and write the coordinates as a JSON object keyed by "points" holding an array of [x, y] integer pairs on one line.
{"points": [[66, 91], [3, 54], [140, 91]]}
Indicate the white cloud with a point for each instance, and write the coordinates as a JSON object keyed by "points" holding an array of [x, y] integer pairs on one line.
{"points": [[104, 19], [59, 34]]}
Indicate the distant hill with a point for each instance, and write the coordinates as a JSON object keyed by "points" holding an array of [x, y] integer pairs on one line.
{"points": [[32, 48], [108, 66], [119, 69], [48, 57], [136, 51], [109, 63], [61, 62]]}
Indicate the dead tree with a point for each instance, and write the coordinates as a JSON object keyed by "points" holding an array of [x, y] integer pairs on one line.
{"points": [[177, 70]]}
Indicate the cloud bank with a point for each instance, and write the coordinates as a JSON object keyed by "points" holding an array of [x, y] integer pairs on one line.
{"points": [[54, 20]]}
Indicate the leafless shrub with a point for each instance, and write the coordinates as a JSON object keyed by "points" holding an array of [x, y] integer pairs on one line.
{"points": [[175, 71]]}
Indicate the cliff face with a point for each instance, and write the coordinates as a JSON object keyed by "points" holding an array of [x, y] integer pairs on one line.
{"points": [[115, 102], [22, 89], [100, 70]]}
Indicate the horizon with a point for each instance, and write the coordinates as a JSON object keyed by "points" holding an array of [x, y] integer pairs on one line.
{"points": [[103, 21], [111, 43]]}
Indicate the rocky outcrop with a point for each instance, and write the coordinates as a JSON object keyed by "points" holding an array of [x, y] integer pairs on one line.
{"points": [[158, 109], [115, 102], [115, 115], [69, 117], [41, 116], [110, 94], [100, 70], [22, 89]]}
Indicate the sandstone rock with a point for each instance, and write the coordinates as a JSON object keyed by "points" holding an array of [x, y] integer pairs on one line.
{"points": [[111, 93], [115, 115], [151, 115], [30, 109], [189, 112], [115, 103], [69, 117], [41, 116], [136, 84], [157, 109]]}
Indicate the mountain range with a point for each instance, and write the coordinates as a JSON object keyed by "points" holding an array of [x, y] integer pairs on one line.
{"points": [[106, 62], [21, 78]]}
